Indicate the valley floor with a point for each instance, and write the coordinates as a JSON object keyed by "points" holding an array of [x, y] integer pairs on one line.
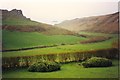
{"points": [[69, 70]]}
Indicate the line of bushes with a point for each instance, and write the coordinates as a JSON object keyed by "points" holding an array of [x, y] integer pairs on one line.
{"points": [[25, 61], [29, 48], [35, 47], [96, 39], [44, 67]]}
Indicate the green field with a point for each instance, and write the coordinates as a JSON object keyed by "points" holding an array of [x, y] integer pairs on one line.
{"points": [[62, 49], [35, 42], [14, 40], [52, 40], [70, 70]]}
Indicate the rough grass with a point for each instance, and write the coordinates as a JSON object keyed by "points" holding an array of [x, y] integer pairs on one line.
{"points": [[25, 25], [97, 34], [70, 70], [95, 39], [16, 21]]}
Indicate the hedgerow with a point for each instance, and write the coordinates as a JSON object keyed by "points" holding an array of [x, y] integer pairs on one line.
{"points": [[25, 61], [44, 67]]}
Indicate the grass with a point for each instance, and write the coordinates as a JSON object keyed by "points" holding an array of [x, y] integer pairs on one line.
{"points": [[18, 40], [14, 40], [62, 49], [70, 70]]}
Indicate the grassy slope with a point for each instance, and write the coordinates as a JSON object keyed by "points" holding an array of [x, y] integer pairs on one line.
{"points": [[20, 24], [13, 19], [16, 21], [14, 40], [62, 49], [71, 70]]}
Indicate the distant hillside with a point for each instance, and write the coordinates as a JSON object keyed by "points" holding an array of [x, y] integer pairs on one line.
{"points": [[105, 23], [14, 20]]}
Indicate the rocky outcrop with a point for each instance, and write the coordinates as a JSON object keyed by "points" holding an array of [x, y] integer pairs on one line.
{"points": [[13, 14], [14, 20]]}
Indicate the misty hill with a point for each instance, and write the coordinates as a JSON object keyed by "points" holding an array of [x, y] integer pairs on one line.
{"points": [[14, 20], [105, 23]]}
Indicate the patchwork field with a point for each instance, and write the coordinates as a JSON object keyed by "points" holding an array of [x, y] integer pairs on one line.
{"points": [[71, 45], [26, 42], [60, 48]]}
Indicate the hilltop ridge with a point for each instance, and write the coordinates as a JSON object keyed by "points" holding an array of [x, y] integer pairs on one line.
{"points": [[103, 23], [14, 20], [13, 14]]}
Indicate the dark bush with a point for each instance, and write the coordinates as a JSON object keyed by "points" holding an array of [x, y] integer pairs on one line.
{"points": [[97, 62], [95, 39], [62, 43], [44, 67]]}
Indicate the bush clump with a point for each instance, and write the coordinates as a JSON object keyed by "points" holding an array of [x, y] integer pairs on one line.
{"points": [[97, 62], [44, 67]]}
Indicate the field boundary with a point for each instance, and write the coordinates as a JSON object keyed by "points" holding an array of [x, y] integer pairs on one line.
{"points": [[24, 61], [28, 48], [35, 47]]}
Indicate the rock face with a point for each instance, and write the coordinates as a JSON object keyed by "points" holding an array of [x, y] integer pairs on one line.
{"points": [[14, 14], [105, 23]]}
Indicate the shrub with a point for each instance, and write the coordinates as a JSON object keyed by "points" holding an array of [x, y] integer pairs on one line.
{"points": [[62, 43], [44, 67], [97, 62], [96, 39]]}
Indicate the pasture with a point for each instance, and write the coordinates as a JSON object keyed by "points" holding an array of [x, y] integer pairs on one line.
{"points": [[69, 70], [62, 49], [15, 40], [66, 44]]}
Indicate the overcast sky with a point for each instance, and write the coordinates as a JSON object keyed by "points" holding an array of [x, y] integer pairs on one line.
{"points": [[55, 11]]}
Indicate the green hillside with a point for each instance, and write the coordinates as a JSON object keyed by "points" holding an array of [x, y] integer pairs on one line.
{"points": [[14, 20], [14, 40], [63, 49], [25, 42]]}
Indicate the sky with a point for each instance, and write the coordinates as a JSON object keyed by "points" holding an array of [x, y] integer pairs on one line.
{"points": [[56, 11]]}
